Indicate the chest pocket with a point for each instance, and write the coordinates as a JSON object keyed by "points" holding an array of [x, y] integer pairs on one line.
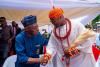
{"points": [[36, 49]]}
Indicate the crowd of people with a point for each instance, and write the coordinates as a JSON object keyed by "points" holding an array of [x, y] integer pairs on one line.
{"points": [[7, 38], [69, 44]]}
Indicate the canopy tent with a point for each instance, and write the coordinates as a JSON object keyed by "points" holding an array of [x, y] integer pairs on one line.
{"points": [[46, 4], [17, 9]]}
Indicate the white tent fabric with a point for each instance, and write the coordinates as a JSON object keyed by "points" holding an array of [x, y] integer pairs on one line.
{"points": [[17, 9], [42, 4], [42, 15], [87, 18], [83, 19]]}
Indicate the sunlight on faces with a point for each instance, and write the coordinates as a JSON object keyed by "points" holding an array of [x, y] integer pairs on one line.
{"points": [[32, 29]]}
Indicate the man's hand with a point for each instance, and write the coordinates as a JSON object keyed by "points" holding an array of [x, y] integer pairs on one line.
{"points": [[44, 59], [71, 52]]}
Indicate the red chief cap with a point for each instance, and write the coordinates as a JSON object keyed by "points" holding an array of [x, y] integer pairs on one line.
{"points": [[55, 13]]}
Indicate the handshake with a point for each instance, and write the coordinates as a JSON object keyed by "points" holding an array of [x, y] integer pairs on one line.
{"points": [[44, 59]]}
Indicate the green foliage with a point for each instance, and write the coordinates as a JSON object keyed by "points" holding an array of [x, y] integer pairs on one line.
{"points": [[97, 19]]}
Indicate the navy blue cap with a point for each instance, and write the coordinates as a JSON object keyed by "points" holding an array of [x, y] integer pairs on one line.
{"points": [[28, 20]]}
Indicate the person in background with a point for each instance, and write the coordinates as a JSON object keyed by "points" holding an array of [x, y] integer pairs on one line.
{"points": [[46, 34], [12, 49], [68, 46], [98, 49], [18, 29], [5, 39], [15, 30], [98, 40], [28, 44]]}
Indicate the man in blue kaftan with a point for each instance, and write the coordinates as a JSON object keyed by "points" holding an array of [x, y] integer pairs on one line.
{"points": [[28, 44]]}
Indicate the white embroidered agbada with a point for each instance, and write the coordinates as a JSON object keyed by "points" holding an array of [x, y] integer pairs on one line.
{"points": [[85, 59]]}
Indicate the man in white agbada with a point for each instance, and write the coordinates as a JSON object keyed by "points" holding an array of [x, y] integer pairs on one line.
{"points": [[66, 36]]}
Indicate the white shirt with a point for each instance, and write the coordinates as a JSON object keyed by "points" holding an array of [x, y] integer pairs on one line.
{"points": [[85, 59]]}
